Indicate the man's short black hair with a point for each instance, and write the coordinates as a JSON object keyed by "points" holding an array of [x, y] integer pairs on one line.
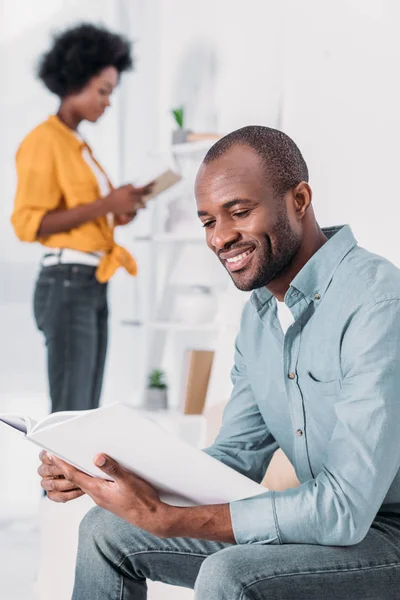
{"points": [[79, 53], [283, 161]]}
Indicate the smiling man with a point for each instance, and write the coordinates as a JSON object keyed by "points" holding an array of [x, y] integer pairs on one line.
{"points": [[316, 373]]}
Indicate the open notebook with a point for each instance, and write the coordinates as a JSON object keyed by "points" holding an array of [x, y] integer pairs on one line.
{"points": [[183, 475]]}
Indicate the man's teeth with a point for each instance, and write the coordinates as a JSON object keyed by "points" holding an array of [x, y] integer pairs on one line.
{"points": [[238, 257]]}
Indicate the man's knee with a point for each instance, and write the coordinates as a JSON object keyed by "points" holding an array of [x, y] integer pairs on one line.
{"points": [[93, 528], [220, 575], [90, 521], [102, 532]]}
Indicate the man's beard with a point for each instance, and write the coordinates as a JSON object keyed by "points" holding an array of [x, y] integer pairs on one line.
{"points": [[273, 260]]}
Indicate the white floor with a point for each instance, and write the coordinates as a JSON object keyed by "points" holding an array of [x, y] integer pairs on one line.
{"points": [[19, 551], [20, 557]]}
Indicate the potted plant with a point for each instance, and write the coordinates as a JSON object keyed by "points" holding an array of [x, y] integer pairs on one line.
{"points": [[157, 395], [180, 134]]}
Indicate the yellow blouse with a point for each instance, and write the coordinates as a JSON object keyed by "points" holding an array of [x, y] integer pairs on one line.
{"points": [[52, 174]]}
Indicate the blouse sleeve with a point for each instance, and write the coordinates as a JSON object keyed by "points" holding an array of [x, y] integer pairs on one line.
{"points": [[38, 190]]}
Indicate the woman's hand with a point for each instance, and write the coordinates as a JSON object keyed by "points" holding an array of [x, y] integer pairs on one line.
{"points": [[126, 200], [124, 219]]}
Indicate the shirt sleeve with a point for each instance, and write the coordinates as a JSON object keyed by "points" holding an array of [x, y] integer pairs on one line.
{"points": [[363, 456], [244, 441], [38, 191]]}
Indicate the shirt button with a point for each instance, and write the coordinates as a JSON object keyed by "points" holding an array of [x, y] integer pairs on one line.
{"points": [[299, 432], [291, 376], [317, 297]]}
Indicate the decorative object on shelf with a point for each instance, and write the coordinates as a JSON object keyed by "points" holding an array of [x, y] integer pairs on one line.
{"points": [[196, 378], [179, 135], [157, 391], [196, 276], [195, 304]]}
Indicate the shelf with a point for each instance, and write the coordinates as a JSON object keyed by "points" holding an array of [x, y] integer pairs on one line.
{"points": [[173, 326], [165, 238], [192, 147]]}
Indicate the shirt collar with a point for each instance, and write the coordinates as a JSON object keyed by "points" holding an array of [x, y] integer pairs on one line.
{"points": [[314, 278], [66, 132]]}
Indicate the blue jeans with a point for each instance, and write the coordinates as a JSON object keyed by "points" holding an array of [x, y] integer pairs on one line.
{"points": [[70, 308], [115, 559]]}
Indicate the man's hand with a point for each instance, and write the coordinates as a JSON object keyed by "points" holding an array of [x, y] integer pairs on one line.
{"points": [[134, 500], [58, 488], [128, 496]]}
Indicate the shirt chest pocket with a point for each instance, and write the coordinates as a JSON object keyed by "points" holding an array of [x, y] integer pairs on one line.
{"points": [[320, 386]]}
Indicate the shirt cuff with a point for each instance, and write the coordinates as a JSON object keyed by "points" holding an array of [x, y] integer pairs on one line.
{"points": [[26, 224], [254, 520]]}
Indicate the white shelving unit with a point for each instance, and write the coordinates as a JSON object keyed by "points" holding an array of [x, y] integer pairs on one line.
{"points": [[174, 325], [168, 238]]}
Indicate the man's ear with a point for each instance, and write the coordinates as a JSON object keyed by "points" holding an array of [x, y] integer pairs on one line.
{"points": [[302, 197]]}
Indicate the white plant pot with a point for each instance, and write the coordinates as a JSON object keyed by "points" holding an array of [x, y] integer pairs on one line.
{"points": [[156, 399], [180, 136]]}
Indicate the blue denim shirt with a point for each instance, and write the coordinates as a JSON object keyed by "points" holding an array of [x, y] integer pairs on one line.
{"points": [[327, 393]]}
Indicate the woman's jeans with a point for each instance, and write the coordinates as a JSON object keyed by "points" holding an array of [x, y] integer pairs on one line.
{"points": [[70, 308], [115, 559]]}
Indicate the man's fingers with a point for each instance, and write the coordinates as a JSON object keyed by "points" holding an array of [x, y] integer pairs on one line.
{"points": [[81, 480], [64, 468], [46, 470], [57, 485], [65, 496], [109, 466], [45, 457]]}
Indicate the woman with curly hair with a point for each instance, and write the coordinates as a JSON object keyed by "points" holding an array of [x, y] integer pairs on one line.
{"points": [[65, 201]]}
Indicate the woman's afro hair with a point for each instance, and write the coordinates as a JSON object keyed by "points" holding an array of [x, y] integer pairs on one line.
{"points": [[78, 54]]}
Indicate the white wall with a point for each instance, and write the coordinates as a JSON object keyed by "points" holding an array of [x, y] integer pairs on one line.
{"points": [[324, 72], [342, 97]]}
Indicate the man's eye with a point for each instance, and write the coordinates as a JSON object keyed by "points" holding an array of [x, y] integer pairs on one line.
{"points": [[208, 224], [242, 213]]}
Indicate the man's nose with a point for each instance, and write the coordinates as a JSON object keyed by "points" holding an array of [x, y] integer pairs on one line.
{"points": [[223, 235]]}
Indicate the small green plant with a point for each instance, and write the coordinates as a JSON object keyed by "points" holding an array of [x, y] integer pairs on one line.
{"points": [[157, 380], [179, 115]]}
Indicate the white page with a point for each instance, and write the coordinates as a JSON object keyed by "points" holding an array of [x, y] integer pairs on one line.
{"points": [[161, 458], [57, 417], [28, 425], [19, 422]]}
